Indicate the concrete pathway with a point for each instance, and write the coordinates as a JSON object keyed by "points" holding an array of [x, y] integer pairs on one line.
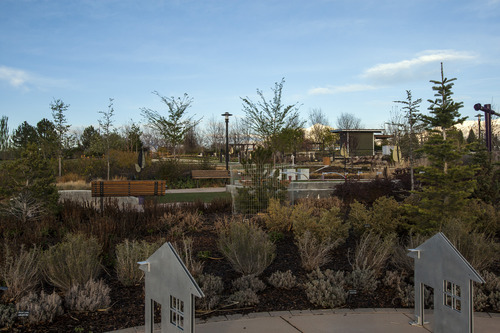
{"points": [[323, 321]]}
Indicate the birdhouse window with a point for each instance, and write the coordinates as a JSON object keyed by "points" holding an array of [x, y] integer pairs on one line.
{"points": [[452, 295], [177, 312]]}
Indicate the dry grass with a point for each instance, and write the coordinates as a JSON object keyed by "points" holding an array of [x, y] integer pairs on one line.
{"points": [[20, 272], [73, 185]]}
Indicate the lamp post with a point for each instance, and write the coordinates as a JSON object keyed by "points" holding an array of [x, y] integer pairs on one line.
{"points": [[226, 116], [487, 122]]}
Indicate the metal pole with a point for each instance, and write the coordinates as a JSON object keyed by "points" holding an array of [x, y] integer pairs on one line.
{"points": [[227, 115], [227, 143]]}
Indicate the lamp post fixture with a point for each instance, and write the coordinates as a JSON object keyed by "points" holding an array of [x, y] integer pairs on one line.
{"points": [[226, 116], [486, 108]]}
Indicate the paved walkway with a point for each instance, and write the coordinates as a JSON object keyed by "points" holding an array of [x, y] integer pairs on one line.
{"points": [[323, 321]]}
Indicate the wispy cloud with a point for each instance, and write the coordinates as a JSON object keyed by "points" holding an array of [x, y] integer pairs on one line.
{"points": [[413, 68], [331, 90], [19, 78]]}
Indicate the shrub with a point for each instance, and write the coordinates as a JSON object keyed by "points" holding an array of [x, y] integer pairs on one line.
{"points": [[372, 252], [249, 282], [283, 280], [479, 249], [362, 280], [128, 253], [326, 288], [382, 218], [42, 308], [400, 258], [313, 253], [247, 247], [180, 222], [8, 315], [20, 272], [405, 292], [243, 298], [320, 204], [490, 292], [90, 297], [212, 287], [73, 261], [185, 251], [278, 216], [329, 225]]}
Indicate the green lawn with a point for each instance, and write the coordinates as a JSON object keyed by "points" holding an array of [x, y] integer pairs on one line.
{"points": [[192, 197]]}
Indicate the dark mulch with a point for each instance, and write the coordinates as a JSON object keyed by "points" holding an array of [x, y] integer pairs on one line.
{"points": [[127, 309]]}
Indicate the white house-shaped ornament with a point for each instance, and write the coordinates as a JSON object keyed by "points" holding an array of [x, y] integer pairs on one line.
{"points": [[169, 283], [439, 265]]}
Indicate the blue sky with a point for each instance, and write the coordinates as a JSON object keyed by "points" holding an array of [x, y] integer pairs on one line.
{"points": [[339, 55]]}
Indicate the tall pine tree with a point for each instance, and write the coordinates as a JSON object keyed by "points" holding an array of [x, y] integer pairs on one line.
{"points": [[446, 182]]}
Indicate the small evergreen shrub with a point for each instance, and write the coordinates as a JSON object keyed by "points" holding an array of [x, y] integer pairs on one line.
{"points": [[328, 225], [92, 296], [244, 298], [247, 247], [283, 280], [212, 287], [20, 273], [75, 260], [42, 308], [314, 253], [128, 253], [8, 315], [383, 217], [249, 282], [326, 289], [278, 216]]}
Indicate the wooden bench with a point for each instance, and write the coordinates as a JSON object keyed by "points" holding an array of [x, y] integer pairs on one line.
{"points": [[210, 174], [128, 188]]}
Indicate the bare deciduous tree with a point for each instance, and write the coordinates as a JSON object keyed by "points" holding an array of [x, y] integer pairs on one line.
{"points": [[348, 121]]}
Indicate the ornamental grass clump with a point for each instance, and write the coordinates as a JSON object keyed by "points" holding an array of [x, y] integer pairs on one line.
{"points": [[185, 250], [247, 247], [20, 273], [75, 260], [128, 253], [372, 252], [314, 253]]}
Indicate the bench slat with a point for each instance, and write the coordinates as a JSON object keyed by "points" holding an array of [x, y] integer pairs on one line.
{"points": [[125, 188]]}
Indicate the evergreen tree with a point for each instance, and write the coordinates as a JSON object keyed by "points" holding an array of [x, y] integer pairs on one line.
{"points": [[58, 113], [446, 183], [30, 175], [24, 135]]}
